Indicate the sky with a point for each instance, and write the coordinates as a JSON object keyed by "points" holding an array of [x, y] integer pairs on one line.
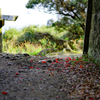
{"points": [[26, 16]]}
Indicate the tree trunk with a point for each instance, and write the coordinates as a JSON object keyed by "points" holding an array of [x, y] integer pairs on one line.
{"points": [[88, 26], [94, 39], [0, 40]]}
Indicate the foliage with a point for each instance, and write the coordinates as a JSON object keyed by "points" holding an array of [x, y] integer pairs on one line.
{"points": [[33, 39], [72, 13], [10, 34], [47, 43], [27, 47], [28, 39], [30, 28], [75, 31], [72, 8], [27, 36]]}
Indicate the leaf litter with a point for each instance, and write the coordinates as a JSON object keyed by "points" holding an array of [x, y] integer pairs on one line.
{"points": [[52, 78]]}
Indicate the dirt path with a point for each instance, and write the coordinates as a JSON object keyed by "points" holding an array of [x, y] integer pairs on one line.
{"points": [[24, 77], [18, 82], [64, 54]]}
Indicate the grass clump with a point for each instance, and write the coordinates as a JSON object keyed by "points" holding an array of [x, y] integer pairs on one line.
{"points": [[27, 47]]}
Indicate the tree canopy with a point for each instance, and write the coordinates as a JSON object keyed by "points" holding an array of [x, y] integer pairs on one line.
{"points": [[73, 12]]}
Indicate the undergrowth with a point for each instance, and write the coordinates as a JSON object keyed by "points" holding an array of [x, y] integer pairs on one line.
{"points": [[30, 40]]}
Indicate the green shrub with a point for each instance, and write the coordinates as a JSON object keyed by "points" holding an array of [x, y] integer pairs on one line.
{"points": [[27, 36], [29, 29], [10, 34]]}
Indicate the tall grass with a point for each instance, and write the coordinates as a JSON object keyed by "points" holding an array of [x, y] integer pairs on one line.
{"points": [[27, 47]]}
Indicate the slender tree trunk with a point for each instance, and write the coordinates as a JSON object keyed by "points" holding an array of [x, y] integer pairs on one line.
{"points": [[0, 40], [88, 26]]}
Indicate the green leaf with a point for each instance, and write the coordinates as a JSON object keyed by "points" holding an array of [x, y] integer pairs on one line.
{"points": [[95, 61]]}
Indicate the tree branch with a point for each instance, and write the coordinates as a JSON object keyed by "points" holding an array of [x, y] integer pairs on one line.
{"points": [[73, 17]]}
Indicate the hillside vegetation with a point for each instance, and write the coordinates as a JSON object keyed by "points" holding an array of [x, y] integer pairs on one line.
{"points": [[33, 39]]}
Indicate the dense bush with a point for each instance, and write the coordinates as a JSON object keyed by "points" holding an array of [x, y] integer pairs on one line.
{"points": [[27, 36], [11, 34]]}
